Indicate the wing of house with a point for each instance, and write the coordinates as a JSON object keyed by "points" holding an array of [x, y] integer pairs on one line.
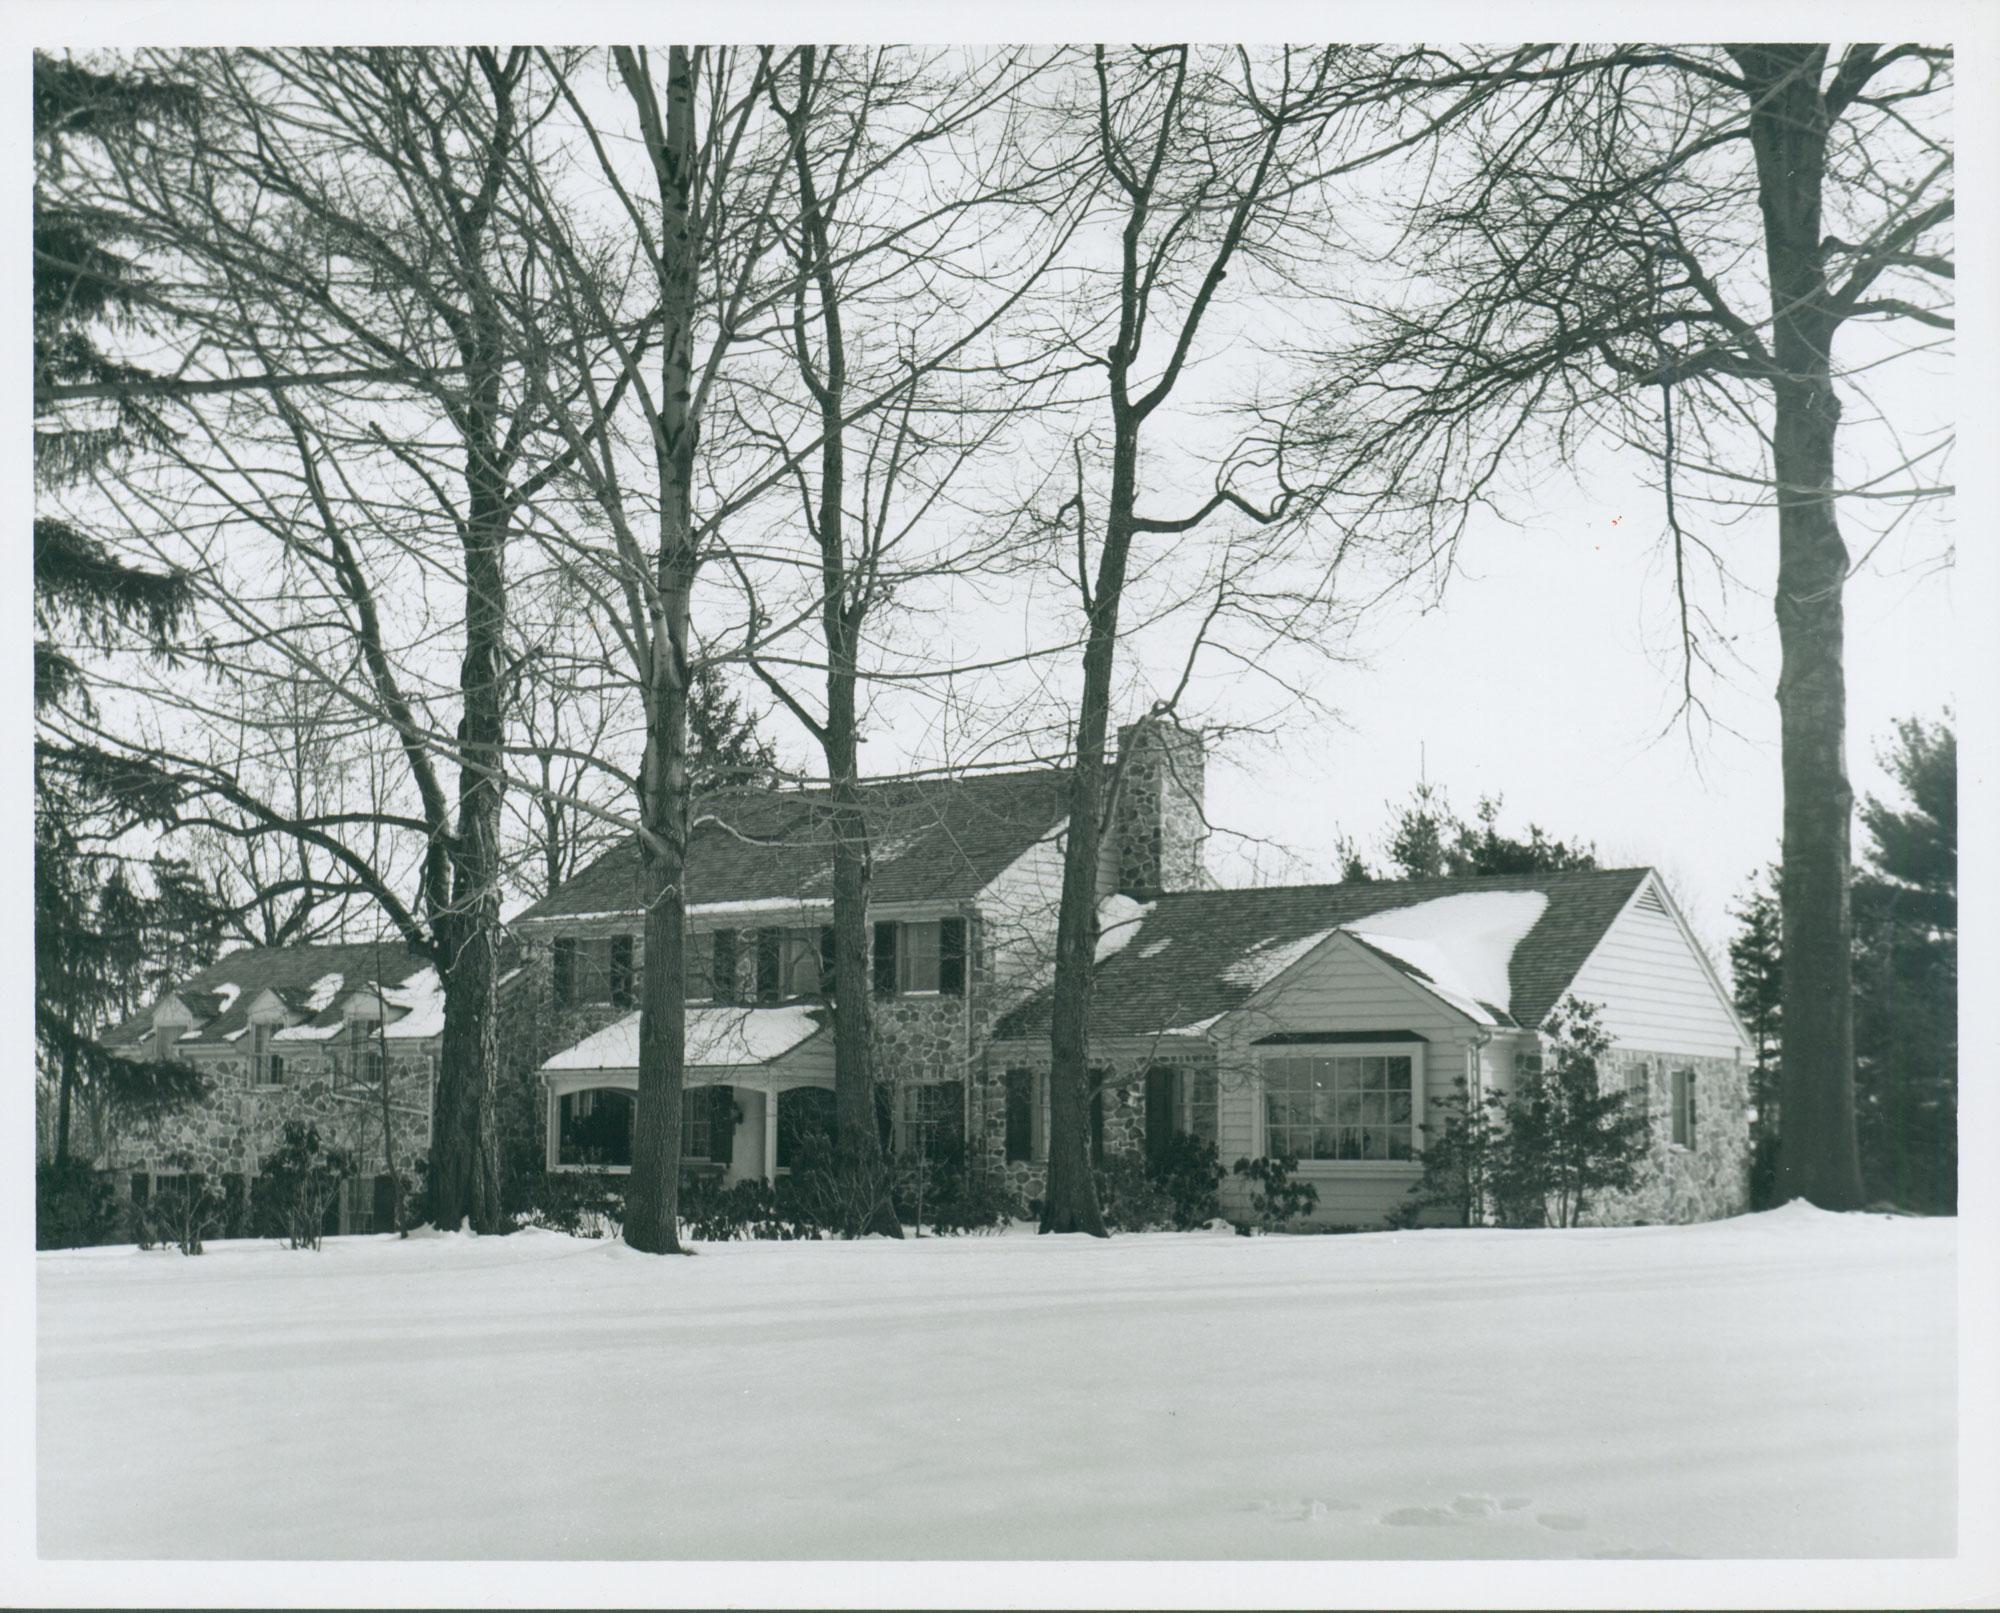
{"points": [[344, 1038], [1321, 1021]]}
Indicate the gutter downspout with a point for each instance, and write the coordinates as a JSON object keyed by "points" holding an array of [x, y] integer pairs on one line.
{"points": [[1475, 1089]]}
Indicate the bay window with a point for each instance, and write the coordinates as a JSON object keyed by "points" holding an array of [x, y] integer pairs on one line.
{"points": [[1346, 1106]]}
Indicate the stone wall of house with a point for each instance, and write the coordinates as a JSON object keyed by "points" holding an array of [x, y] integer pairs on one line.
{"points": [[1703, 1183], [241, 1124], [1122, 1079]]}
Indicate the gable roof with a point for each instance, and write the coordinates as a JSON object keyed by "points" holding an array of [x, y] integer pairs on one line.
{"points": [[309, 979], [933, 840], [1193, 958]]}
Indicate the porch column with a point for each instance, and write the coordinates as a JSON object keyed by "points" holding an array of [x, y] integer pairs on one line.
{"points": [[770, 1128]]}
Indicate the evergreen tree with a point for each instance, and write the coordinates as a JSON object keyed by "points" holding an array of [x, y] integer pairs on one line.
{"points": [[1431, 841], [1906, 978], [87, 918], [1756, 964]]}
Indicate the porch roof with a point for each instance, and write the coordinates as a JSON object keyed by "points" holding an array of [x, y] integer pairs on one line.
{"points": [[718, 1037]]}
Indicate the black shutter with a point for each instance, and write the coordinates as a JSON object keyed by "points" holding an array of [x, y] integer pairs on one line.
{"points": [[1020, 1114], [385, 1203], [722, 966], [621, 971], [770, 963], [951, 957], [885, 960], [565, 970], [140, 1183], [722, 1125], [826, 967], [1096, 1117]]}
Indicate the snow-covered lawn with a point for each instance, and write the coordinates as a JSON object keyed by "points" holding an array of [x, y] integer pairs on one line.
{"points": [[1776, 1386]]}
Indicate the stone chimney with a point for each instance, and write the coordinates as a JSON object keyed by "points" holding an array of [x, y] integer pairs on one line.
{"points": [[1157, 830]]}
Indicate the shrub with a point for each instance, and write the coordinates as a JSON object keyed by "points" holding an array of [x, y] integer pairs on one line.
{"points": [[297, 1185], [1129, 1198], [1462, 1151], [185, 1213], [1277, 1197], [75, 1206], [1565, 1139], [584, 1204], [1188, 1172], [948, 1193]]}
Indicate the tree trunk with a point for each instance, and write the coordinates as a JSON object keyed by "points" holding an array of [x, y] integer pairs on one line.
{"points": [[857, 1146], [65, 1086], [653, 1192], [1817, 1156], [1069, 1202]]}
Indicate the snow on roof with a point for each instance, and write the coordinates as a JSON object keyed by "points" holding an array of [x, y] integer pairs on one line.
{"points": [[1463, 944], [423, 996], [307, 1033], [716, 1036], [323, 991], [1118, 920], [227, 992], [1263, 962], [1152, 949]]}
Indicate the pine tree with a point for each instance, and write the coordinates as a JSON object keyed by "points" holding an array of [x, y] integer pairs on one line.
{"points": [[1756, 964], [1906, 979], [1432, 841], [84, 921]]}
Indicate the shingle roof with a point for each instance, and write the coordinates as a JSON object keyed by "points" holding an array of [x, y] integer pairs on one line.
{"points": [[1174, 971], [292, 972], [935, 840]]}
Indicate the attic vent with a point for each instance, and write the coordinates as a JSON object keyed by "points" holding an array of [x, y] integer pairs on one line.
{"points": [[1649, 901]]}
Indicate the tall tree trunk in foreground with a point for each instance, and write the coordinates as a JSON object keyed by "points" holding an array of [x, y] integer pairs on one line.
{"points": [[1817, 1156], [653, 1201]]}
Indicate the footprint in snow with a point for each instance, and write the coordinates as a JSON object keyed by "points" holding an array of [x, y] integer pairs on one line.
{"points": [[1562, 1520], [1423, 1517]]}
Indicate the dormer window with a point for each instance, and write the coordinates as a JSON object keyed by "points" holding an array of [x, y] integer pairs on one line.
{"points": [[267, 1068]]}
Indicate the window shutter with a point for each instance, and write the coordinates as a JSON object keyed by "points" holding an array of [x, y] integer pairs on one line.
{"points": [[621, 971], [1020, 1114], [885, 960], [951, 956], [564, 968], [722, 1125], [385, 1203], [826, 960], [722, 966], [1096, 1117]]}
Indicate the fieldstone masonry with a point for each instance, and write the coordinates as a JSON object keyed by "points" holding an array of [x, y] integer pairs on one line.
{"points": [[1157, 821], [1706, 1182]]}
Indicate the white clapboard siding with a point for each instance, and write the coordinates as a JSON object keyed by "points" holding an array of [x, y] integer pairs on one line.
{"points": [[1339, 986], [1656, 992]]}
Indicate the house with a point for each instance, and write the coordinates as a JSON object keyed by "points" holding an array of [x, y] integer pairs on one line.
{"points": [[345, 1038], [1321, 1021], [1324, 1021]]}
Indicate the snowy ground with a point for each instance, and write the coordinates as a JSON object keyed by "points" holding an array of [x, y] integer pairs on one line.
{"points": [[1776, 1386]]}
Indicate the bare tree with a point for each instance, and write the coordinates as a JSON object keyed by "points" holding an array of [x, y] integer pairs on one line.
{"points": [[351, 393], [1591, 269]]}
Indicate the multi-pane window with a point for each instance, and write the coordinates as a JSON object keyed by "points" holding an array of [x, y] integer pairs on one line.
{"points": [[920, 957], [267, 1068], [1639, 1089], [594, 1127], [1683, 1102], [1340, 1107], [932, 1120], [592, 971]]}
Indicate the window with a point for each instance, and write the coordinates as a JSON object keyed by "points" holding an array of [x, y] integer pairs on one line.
{"points": [[564, 970], [165, 1034], [1639, 1090], [594, 1127], [365, 1063], [1683, 1102], [1177, 1101], [593, 971], [926, 957], [267, 1068], [1020, 1115], [933, 1118], [1347, 1107]]}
